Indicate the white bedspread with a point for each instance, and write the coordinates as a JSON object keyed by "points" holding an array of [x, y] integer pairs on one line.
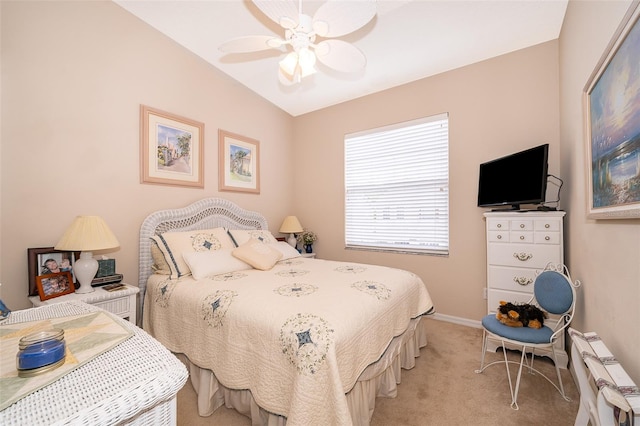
{"points": [[298, 336]]}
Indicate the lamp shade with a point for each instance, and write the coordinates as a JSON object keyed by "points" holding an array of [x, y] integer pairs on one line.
{"points": [[87, 233], [291, 225]]}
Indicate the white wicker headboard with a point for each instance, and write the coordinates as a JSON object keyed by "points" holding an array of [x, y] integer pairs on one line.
{"points": [[203, 214]]}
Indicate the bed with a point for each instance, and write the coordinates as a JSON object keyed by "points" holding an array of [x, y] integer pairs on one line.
{"points": [[283, 339]]}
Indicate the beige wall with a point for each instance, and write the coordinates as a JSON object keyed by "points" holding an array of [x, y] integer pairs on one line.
{"points": [[74, 75], [603, 254], [495, 107]]}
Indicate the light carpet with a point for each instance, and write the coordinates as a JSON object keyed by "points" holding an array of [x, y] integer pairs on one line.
{"points": [[443, 389]]}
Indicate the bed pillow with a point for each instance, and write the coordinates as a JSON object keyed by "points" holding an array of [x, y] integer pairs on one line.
{"points": [[241, 236], [160, 265], [207, 263], [174, 244], [287, 251], [258, 254]]}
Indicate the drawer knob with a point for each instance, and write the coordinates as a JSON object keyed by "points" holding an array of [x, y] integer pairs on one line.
{"points": [[523, 280], [547, 238], [522, 225], [522, 237], [499, 225], [546, 225], [499, 237], [523, 257]]}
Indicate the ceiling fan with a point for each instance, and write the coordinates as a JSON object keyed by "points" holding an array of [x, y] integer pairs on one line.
{"points": [[334, 18]]}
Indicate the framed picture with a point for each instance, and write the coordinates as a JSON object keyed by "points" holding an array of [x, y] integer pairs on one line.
{"points": [[171, 149], [47, 260], [239, 168], [612, 110], [54, 285]]}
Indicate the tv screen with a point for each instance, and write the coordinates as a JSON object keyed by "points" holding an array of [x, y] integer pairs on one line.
{"points": [[516, 179]]}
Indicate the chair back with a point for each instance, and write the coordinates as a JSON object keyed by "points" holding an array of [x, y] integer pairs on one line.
{"points": [[554, 292]]}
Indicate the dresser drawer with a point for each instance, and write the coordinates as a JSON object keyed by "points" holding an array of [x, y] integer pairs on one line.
{"points": [[549, 237], [535, 256], [498, 236], [516, 236], [512, 279], [521, 225], [547, 225], [497, 224]]}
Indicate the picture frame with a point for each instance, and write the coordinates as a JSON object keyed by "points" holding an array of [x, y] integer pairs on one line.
{"points": [[612, 125], [239, 163], [171, 149], [37, 258], [54, 285]]}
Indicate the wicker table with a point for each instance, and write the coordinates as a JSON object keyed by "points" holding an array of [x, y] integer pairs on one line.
{"points": [[134, 383]]}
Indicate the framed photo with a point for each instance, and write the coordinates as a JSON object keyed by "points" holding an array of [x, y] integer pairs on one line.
{"points": [[171, 149], [54, 285], [47, 260], [612, 110], [239, 168]]}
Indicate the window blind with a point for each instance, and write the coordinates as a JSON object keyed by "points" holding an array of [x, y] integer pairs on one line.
{"points": [[397, 187]]}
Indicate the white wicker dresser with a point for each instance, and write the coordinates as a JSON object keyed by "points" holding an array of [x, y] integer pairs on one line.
{"points": [[134, 383]]}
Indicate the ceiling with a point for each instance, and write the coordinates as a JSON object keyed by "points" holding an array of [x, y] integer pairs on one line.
{"points": [[407, 40]]}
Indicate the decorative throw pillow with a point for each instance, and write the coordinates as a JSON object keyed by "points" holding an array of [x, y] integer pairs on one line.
{"points": [[258, 254], [207, 263], [241, 236], [174, 244], [287, 251]]}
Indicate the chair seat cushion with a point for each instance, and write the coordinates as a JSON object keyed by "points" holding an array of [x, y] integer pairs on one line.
{"points": [[521, 334]]}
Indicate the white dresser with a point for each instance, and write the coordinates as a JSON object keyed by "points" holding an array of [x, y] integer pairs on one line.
{"points": [[519, 244]]}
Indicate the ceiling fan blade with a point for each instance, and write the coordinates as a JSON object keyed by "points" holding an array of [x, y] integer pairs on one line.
{"points": [[283, 12], [340, 55], [336, 18], [250, 44]]}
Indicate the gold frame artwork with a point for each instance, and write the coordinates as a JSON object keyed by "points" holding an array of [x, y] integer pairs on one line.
{"points": [[171, 149], [238, 163]]}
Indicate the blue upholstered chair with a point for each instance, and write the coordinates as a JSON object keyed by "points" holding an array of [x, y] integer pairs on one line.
{"points": [[554, 293]]}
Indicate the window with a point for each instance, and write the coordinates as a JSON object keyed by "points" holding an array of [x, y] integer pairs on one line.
{"points": [[397, 187]]}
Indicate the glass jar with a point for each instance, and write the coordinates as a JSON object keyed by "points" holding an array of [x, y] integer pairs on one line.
{"points": [[40, 352]]}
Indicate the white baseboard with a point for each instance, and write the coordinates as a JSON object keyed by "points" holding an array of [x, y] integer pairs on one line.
{"points": [[457, 320]]}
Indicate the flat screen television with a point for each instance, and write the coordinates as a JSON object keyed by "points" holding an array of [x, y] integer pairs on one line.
{"points": [[519, 178]]}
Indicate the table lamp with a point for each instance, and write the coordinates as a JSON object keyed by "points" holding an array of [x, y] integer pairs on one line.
{"points": [[87, 234], [291, 226]]}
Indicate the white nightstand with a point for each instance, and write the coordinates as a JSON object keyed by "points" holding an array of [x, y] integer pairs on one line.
{"points": [[309, 255], [121, 302]]}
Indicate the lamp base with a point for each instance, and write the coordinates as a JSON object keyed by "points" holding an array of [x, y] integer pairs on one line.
{"points": [[292, 240], [85, 269], [84, 288]]}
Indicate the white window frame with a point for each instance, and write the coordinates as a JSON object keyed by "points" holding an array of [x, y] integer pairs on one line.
{"points": [[397, 199]]}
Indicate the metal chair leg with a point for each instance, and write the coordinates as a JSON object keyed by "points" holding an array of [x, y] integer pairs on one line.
{"points": [[555, 362]]}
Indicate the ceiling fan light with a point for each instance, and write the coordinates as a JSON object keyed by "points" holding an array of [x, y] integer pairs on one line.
{"points": [[307, 61], [307, 71], [306, 58], [289, 63]]}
